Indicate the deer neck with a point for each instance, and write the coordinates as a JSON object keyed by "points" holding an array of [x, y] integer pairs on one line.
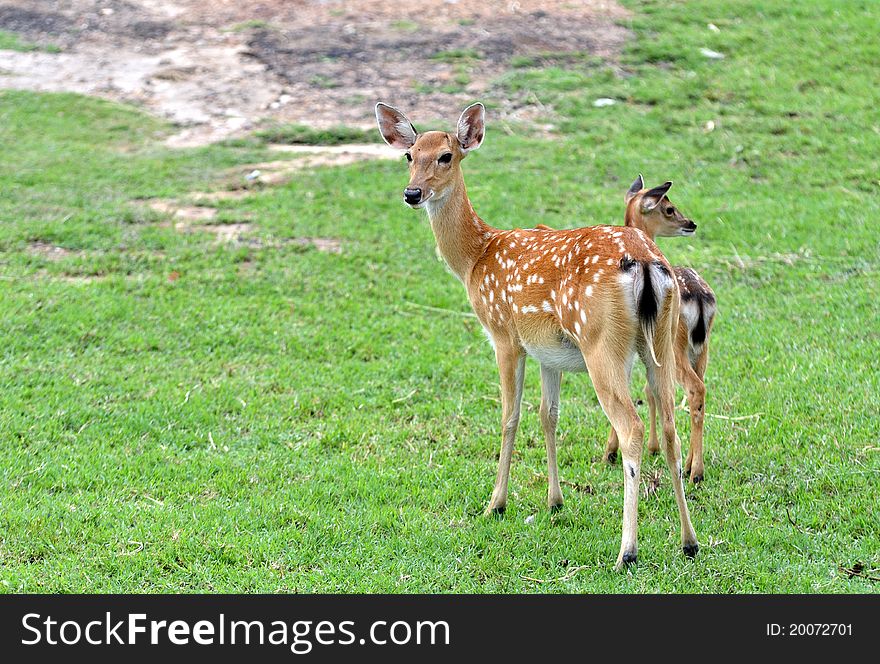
{"points": [[634, 220], [461, 235]]}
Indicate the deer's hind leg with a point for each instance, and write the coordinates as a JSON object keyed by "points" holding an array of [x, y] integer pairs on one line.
{"points": [[611, 446], [691, 379], [663, 387], [611, 379], [613, 443], [551, 381], [653, 442]]}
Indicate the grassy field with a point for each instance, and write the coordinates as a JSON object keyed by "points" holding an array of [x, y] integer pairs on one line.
{"points": [[179, 415]]}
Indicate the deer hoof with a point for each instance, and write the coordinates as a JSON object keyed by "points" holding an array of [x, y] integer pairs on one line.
{"points": [[628, 558], [690, 550], [556, 507], [611, 457]]}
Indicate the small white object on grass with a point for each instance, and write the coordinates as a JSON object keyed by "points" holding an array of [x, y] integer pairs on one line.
{"points": [[713, 27], [253, 175], [710, 126], [604, 101], [530, 518], [712, 55]]}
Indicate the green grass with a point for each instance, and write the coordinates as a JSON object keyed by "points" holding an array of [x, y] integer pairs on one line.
{"points": [[10, 41], [462, 61], [281, 418], [294, 134], [554, 58]]}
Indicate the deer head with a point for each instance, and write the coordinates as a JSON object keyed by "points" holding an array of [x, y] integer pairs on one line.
{"points": [[651, 211], [434, 156]]}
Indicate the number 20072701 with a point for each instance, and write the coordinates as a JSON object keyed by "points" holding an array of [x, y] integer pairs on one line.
{"points": [[809, 629]]}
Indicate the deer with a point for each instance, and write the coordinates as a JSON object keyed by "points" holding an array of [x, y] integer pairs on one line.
{"points": [[651, 211], [585, 300]]}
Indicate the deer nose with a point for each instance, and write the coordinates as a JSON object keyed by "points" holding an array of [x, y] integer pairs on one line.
{"points": [[690, 226], [412, 196]]}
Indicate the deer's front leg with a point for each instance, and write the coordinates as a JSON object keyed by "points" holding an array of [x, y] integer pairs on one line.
{"points": [[511, 367]]}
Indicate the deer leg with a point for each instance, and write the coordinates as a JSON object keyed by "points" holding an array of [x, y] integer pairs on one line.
{"points": [[550, 383], [653, 443], [613, 442], [511, 368], [663, 387], [612, 388], [696, 396], [611, 446]]}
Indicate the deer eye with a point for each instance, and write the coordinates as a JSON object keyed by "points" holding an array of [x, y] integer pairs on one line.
{"points": [[669, 211], [445, 158], [408, 157]]}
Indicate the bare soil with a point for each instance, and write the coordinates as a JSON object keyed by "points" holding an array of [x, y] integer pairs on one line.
{"points": [[218, 68]]}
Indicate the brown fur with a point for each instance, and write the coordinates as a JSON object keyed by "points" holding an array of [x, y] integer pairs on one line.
{"points": [[562, 296], [691, 358]]}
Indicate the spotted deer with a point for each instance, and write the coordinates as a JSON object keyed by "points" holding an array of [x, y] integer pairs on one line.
{"points": [[651, 211], [589, 299]]}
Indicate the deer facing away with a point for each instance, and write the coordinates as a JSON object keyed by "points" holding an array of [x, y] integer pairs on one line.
{"points": [[589, 299], [651, 211]]}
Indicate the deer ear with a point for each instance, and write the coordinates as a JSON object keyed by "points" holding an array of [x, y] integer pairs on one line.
{"points": [[395, 127], [471, 127], [635, 188], [652, 197]]}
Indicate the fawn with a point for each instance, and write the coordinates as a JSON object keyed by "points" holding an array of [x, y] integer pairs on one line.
{"points": [[589, 299], [651, 211]]}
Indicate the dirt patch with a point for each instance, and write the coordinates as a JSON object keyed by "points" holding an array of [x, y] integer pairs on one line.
{"points": [[239, 235], [186, 218], [206, 197], [250, 178], [50, 251], [193, 210], [192, 218], [68, 22], [326, 244], [78, 279], [184, 213], [35, 23], [273, 173], [339, 155], [218, 68], [224, 233], [426, 64], [47, 251]]}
